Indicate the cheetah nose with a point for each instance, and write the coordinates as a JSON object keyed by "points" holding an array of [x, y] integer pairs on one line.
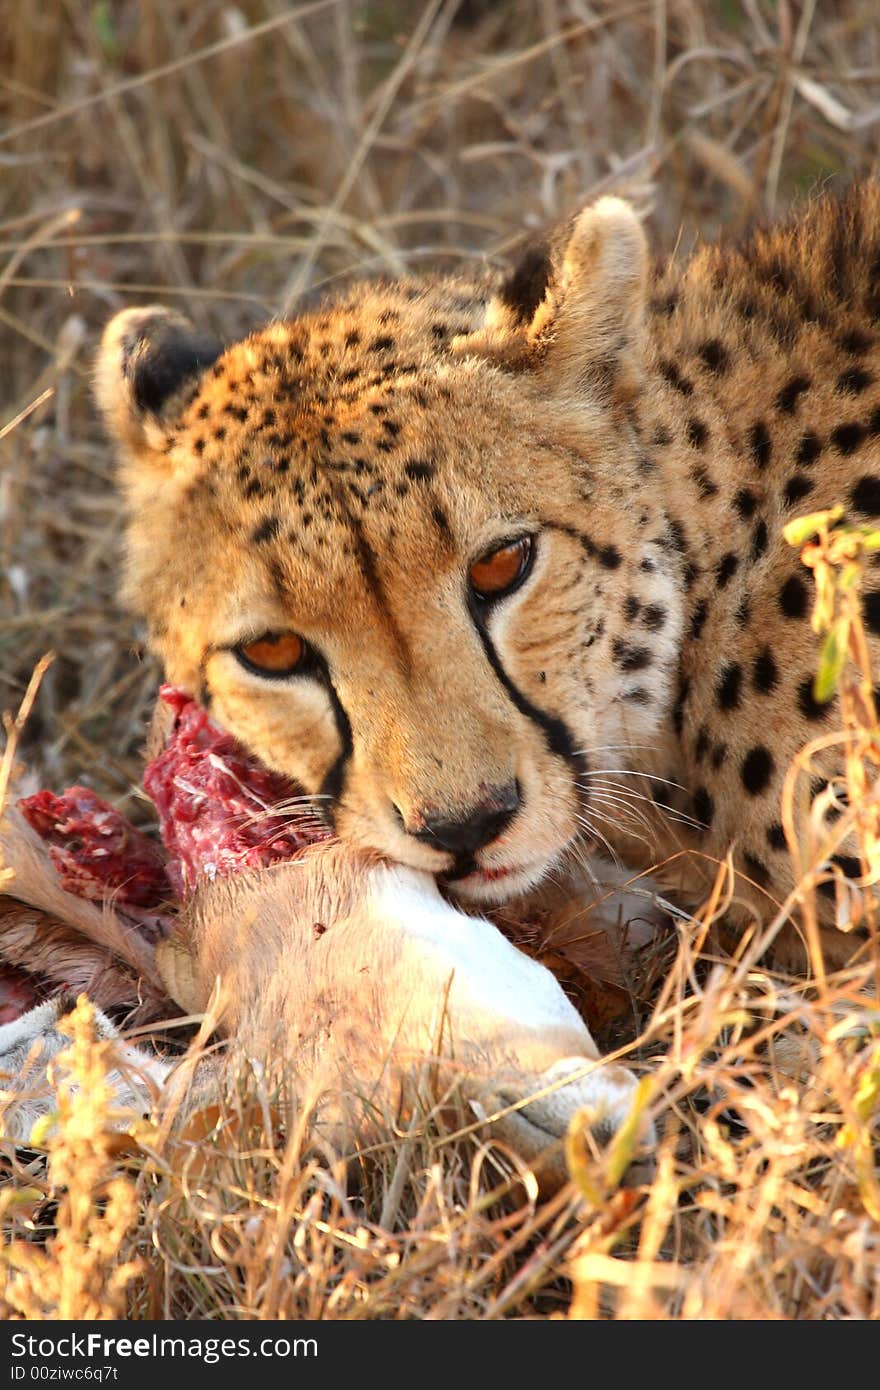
{"points": [[481, 825]]}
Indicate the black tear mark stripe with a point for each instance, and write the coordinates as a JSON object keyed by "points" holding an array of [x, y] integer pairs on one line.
{"points": [[556, 732], [333, 784]]}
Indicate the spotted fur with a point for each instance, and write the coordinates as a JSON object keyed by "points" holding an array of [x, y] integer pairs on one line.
{"points": [[651, 430]]}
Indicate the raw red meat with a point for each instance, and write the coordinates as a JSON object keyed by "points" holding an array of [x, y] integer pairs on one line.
{"points": [[95, 850], [17, 994], [220, 810]]}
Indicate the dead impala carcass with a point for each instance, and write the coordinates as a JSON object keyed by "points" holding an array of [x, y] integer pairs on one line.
{"points": [[357, 972]]}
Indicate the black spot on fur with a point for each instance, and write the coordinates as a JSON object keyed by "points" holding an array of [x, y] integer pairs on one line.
{"points": [[698, 618], [848, 865], [705, 485], [757, 770], [871, 606], [759, 539], [419, 471], [765, 675], [266, 531], [660, 793], [808, 705], [776, 836], [653, 617], [745, 503], [855, 341], [669, 371], [719, 756], [847, 438], [864, 496], [697, 433], [666, 304], [797, 487], [382, 344], [629, 657], [809, 449], [684, 690], [788, 397], [704, 807], [726, 569], [713, 355], [854, 381], [609, 556], [793, 597], [760, 444], [730, 687], [631, 607]]}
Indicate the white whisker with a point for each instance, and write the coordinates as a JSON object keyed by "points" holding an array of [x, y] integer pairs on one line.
{"points": [[596, 834]]}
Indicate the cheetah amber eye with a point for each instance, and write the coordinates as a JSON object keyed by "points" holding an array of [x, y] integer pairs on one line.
{"points": [[273, 654], [501, 570]]}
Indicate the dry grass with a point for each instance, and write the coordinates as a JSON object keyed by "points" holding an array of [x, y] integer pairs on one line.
{"points": [[238, 159]]}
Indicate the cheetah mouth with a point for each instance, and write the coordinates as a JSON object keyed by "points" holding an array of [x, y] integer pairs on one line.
{"points": [[491, 883]]}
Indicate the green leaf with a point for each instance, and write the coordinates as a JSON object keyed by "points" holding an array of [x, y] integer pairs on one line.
{"points": [[102, 20], [803, 528], [831, 662]]}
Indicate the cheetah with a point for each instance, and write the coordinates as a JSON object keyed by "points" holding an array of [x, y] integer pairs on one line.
{"points": [[492, 566]]}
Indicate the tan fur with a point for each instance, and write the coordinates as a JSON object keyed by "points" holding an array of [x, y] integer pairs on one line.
{"points": [[336, 475]]}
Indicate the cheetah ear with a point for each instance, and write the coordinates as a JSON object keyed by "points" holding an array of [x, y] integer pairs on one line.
{"points": [[147, 364], [577, 308]]}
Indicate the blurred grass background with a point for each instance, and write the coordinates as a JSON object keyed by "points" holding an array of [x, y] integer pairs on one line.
{"points": [[238, 160]]}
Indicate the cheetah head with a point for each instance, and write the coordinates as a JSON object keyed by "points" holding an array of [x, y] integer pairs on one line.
{"points": [[405, 547]]}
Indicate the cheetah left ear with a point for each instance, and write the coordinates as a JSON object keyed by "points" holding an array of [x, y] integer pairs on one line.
{"points": [[147, 364], [577, 308]]}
